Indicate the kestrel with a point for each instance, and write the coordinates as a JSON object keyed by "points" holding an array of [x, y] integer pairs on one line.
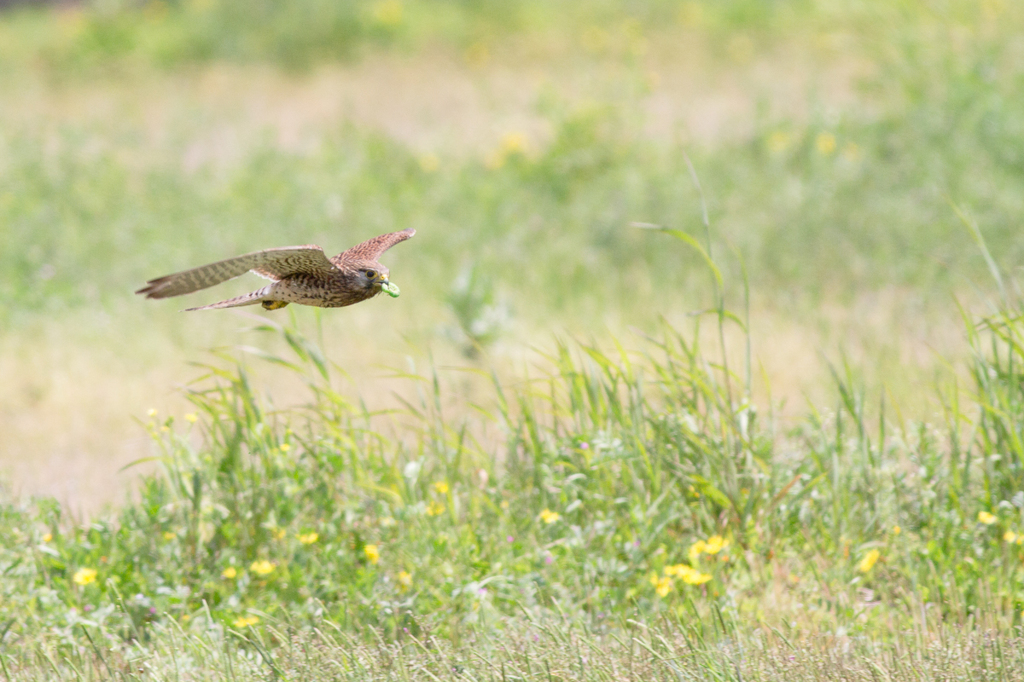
{"points": [[299, 274]]}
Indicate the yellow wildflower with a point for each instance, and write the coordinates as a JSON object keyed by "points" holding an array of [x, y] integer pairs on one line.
{"points": [[896, 530], [986, 518], [662, 585], [826, 143], [441, 487], [309, 538], [229, 573], [694, 577], [372, 553], [1010, 536], [696, 550], [715, 544], [168, 535], [191, 418], [151, 412], [387, 522], [435, 508], [511, 145], [687, 574], [48, 537], [279, 533], [429, 163], [285, 447], [388, 12], [84, 576], [869, 560], [262, 567], [404, 580], [778, 142], [548, 516], [245, 621]]}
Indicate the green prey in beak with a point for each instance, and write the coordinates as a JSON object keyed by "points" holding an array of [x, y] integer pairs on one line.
{"points": [[390, 288]]}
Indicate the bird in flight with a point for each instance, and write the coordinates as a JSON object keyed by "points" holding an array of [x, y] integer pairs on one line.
{"points": [[298, 274]]}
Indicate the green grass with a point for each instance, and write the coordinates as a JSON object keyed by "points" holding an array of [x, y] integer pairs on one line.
{"points": [[629, 504], [613, 469], [828, 224], [824, 208], [98, 35]]}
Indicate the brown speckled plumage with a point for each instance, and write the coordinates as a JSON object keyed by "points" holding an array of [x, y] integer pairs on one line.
{"points": [[299, 274]]}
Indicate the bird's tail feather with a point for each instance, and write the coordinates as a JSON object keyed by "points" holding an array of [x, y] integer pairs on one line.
{"points": [[247, 299]]}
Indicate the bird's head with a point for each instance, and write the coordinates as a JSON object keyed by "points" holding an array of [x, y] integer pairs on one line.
{"points": [[372, 275]]}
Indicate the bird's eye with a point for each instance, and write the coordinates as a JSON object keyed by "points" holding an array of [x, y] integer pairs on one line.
{"points": [[371, 273]]}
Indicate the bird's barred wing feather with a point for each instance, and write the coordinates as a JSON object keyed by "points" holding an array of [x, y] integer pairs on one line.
{"points": [[274, 264], [371, 249]]}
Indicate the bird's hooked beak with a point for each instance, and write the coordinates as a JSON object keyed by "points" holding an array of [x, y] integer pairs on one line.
{"points": [[385, 285]]}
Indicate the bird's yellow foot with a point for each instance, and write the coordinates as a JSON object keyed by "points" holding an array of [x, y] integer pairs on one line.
{"points": [[274, 305]]}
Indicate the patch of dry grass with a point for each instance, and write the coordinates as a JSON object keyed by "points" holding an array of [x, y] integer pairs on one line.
{"points": [[533, 650]]}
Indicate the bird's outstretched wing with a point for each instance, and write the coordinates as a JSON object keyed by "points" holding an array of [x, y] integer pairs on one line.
{"points": [[274, 264], [371, 249]]}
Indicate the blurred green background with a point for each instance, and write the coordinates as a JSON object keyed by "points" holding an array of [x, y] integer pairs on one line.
{"points": [[521, 139]]}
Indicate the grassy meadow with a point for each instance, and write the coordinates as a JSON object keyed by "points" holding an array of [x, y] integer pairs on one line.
{"points": [[708, 359]]}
